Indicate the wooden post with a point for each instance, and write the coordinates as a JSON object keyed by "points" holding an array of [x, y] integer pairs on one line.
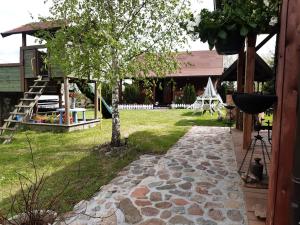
{"points": [[249, 82], [285, 116], [240, 86], [67, 105], [96, 101], [24, 41], [100, 96], [60, 105]]}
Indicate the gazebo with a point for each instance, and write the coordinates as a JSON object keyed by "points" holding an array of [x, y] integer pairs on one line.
{"points": [[284, 185]]}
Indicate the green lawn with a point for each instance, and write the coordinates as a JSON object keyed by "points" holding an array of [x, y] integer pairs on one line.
{"points": [[71, 157]]}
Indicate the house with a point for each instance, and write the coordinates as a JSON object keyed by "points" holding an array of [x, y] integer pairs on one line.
{"points": [[195, 68]]}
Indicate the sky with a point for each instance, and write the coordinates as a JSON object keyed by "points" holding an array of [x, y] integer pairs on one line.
{"points": [[14, 13]]}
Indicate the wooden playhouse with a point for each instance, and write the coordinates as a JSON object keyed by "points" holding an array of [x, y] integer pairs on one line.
{"points": [[22, 84]]}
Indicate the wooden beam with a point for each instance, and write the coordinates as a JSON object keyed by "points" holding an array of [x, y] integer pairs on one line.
{"points": [[24, 41], [67, 105], [240, 86], [96, 101], [59, 95], [285, 117], [249, 82], [263, 42]]}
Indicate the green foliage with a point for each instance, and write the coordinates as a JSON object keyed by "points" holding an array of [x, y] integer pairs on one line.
{"points": [[226, 88], [106, 92], [132, 94], [189, 94], [241, 16], [111, 40], [269, 87]]}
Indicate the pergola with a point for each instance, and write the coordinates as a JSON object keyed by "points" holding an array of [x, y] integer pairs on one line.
{"points": [[284, 186]]}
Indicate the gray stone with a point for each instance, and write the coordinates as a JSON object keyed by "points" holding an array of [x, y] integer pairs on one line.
{"points": [[178, 209], [188, 179], [166, 187], [155, 184], [132, 215], [186, 185], [234, 215], [216, 214], [181, 193], [153, 221], [201, 221], [180, 220]]}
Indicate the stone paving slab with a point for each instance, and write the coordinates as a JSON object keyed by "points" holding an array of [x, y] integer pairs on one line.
{"points": [[194, 183]]}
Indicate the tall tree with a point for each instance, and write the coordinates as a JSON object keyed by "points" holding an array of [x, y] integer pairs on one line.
{"points": [[109, 40]]}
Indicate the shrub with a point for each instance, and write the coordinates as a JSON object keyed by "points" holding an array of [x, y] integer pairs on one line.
{"points": [[106, 93], [189, 94], [132, 94]]}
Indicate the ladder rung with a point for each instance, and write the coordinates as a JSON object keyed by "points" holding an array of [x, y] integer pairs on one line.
{"points": [[13, 121], [23, 106], [41, 80], [5, 137], [27, 99], [7, 128], [17, 113], [37, 86], [33, 93]]}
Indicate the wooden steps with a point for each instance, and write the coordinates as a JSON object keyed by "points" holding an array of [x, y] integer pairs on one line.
{"points": [[27, 99], [23, 106], [17, 113], [8, 128], [24, 109], [33, 93], [37, 86], [10, 120]]}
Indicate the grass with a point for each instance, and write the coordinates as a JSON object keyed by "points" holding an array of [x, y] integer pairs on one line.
{"points": [[71, 157]]}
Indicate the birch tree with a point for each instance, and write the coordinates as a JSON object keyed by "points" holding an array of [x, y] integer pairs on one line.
{"points": [[109, 40]]}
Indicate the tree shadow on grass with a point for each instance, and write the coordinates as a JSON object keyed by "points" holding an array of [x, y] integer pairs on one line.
{"points": [[201, 122], [199, 119], [87, 175]]}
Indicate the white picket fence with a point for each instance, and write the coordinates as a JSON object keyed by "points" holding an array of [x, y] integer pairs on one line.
{"points": [[135, 107], [180, 106]]}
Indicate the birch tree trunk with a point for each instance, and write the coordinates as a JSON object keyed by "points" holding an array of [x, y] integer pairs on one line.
{"points": [[116, 132]]}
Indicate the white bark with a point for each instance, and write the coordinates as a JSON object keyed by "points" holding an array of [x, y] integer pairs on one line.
{"points": [[116, 132]]}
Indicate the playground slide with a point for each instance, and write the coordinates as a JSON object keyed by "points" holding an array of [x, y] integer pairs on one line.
{"points": [[88, 91]]}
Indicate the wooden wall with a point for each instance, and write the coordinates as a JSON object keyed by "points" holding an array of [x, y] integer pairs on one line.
{"points": [[285, 118], [10, 80], [28, 55], [8, 101]]}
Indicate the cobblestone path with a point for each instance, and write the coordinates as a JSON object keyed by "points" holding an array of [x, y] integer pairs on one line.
{"points": [[194, 183]]}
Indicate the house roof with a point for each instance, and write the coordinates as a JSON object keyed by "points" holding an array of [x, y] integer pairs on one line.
{"points": [[33, 28], [262, 71], [199, 63]]}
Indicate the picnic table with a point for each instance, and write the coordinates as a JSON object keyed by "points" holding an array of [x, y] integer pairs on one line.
{"points": [[74, 114]]}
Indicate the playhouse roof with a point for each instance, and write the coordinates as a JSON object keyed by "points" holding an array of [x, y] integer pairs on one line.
{"points": [[32, 28], [199, 63]]}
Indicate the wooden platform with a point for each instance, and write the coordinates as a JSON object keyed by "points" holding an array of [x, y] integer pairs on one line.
{"points": [[255, 198], [61, 127]]}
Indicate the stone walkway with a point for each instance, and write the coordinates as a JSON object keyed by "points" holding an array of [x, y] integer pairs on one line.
{"points": [[194, 183]]}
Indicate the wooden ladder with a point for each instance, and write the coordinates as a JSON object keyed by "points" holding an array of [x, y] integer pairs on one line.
{"points": [[23, 110]]}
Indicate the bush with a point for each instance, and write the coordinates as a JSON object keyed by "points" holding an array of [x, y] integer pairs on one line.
{"points": [[106, 93], [269, 87], [189, 94], [132, 94]]}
